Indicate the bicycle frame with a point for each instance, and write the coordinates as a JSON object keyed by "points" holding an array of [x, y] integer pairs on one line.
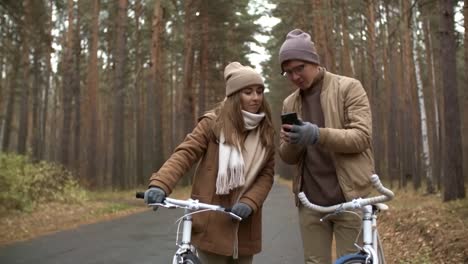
{"points": [[369, 207], [369, 232]]}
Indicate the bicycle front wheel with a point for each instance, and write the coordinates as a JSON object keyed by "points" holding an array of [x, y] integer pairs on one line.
{"points": [[353, 259], [189, 258]]}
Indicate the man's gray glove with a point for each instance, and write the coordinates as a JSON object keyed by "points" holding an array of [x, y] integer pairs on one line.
{"points": [[242, 210], [305, 134], [154, 195]]}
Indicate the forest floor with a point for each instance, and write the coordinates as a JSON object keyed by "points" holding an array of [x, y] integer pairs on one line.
{"points": [[421, 228], [417, 229]]}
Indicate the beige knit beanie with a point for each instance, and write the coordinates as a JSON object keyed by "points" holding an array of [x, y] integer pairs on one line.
{"points": [[238, 76]]}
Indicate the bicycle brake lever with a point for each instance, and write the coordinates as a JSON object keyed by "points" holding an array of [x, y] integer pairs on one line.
{"points": [[169, 206], [337, 211], [326, 216], [233, 215]]}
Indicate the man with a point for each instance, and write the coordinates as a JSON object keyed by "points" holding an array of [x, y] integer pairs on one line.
{"points": [[331, 149]]}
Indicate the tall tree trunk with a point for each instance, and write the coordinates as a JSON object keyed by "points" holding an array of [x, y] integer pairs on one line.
{"points": [[426, 157], [320, 36], [188, 96], [347, 69], [47, 78], [76, 73], [392, 80], [12, 98], [465, 108], [387, 142], [432, 105], [66, 88], [187, 93], [373, 80], [408, 99], [118, 116], [25, 86], [139, 99], [157, 85], [454, 187], [204, 60], [92, 95], [54, 124], [36, 105], [3, 58], [329, 26]]}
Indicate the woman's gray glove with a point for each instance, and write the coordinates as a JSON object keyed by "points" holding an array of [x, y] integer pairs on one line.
{"points": [[154, 195], [305, 134], [242, 210]]}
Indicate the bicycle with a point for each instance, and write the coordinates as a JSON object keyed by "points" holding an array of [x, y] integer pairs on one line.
{"points": [[186, 252], [370, 252]]}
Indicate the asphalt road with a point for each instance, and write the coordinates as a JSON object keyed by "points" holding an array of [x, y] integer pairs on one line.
{"points": [[149, 237]]}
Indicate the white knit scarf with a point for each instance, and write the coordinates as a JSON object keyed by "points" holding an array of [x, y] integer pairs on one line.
{"points": [[231, 162]]}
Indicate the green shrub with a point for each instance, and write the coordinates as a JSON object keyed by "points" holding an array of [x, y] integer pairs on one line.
{"points": [[24, 184]]}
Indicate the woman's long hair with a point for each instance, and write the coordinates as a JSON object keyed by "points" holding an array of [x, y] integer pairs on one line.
{"points": [[230, 120]]}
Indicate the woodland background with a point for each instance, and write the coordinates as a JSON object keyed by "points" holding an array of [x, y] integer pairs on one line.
{"points": [[109, 88]]}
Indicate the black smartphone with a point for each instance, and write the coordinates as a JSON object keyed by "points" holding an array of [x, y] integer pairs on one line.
{"points": [[290, 119]]}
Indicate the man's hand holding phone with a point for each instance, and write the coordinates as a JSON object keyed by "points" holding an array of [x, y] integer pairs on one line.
{"points": [[294, 131], [289, 119]]}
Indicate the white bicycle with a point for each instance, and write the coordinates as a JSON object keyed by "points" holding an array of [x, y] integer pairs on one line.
{"points": [[370, 252], [186, 252]]}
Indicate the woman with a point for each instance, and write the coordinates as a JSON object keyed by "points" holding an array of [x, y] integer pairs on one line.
{"points": [[235, 146]]}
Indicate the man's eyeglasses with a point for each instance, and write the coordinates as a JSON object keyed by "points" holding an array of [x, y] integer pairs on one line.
{"points": [[297, 70]]}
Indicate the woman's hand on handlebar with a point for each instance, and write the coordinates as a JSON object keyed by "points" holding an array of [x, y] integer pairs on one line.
{"points": [[154, 195]]}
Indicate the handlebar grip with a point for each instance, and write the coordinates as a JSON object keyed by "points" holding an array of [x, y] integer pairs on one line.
{"points": [[140, 195], [381, 189]]}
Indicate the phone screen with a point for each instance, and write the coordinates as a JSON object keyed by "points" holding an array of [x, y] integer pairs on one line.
{"points": [[289, 118]]}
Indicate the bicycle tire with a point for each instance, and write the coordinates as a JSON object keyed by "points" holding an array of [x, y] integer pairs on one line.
{"points": [[353, 259], [190, 258]]}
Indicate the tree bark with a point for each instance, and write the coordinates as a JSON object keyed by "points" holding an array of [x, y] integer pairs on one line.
{"points": [[454, 187], [409, 122], [157, 85], [47, 76], [187, 93], [118, 116], [465, 111], [204, 60], [36, 105], [76, 90], [25, 82], [10, 105], [66, 88], [426, 157], [90, 111], [346, 58], [139, 105]]}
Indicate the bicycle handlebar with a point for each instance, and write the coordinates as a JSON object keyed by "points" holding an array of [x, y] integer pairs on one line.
{"points": [[193, 205], [387, 195]]}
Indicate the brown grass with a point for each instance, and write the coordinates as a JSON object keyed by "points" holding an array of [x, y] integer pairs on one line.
{"points": [[52, 217]]}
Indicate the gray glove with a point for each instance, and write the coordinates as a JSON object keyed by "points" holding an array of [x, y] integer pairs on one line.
{"points": [[154, 195], [305, 134], [242, 210]]}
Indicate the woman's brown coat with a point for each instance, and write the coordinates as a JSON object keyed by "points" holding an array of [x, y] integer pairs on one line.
{"points": [[213, 231]]}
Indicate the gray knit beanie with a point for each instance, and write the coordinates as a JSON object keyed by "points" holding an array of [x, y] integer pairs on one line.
{"points": [[238, 77], [298, 46]]}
